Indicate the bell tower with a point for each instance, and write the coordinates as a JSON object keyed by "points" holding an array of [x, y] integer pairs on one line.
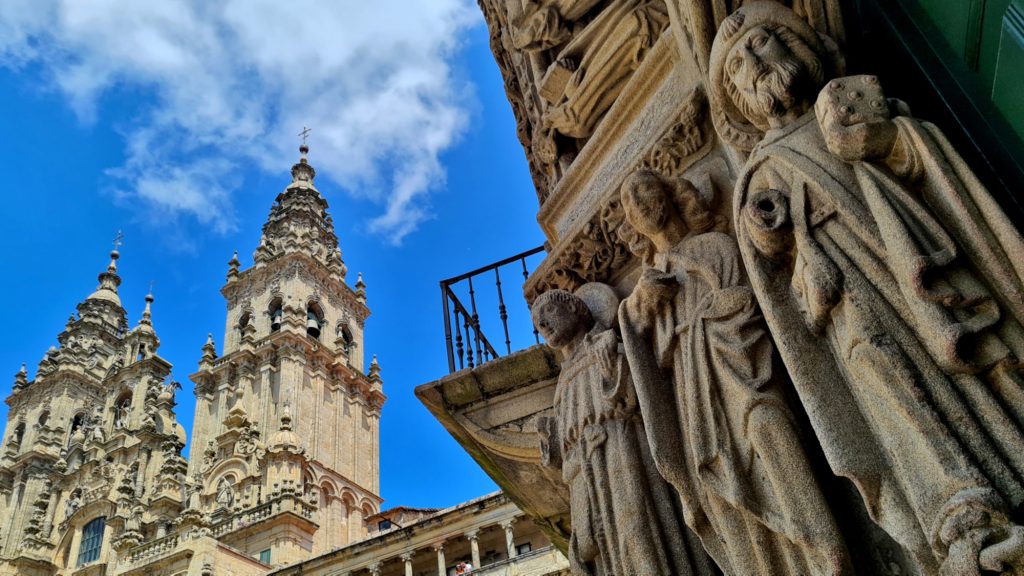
{"points": [[288, 410]]}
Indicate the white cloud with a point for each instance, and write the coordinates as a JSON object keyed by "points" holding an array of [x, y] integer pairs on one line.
{"points": [[235, 80]]}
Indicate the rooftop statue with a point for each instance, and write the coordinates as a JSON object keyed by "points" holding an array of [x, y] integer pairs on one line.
{"points": [[893, 285]]}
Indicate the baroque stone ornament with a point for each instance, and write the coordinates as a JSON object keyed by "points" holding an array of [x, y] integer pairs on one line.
{"points": [[894, 287], [623, 519], [717, 420]]}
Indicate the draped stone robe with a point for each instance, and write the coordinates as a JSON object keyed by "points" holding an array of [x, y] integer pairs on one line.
{"points": [[894, 293], [625, 519], [720, 430]]}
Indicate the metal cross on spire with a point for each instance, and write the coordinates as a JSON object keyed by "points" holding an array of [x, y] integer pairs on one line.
{"points": [[305, 135], [118, 240]]}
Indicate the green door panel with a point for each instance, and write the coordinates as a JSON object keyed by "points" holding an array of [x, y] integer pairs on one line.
{"points": [[1008, 84]]}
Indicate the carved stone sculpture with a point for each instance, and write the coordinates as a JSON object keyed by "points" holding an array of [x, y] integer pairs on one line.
{"points": [[225, 494], [894, 287], [596, 63], [717, 421], [623, 514]]}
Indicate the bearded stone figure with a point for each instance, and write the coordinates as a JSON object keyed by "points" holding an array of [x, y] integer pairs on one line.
{"points": [[893, 285], [625, 519], [717, 422]]}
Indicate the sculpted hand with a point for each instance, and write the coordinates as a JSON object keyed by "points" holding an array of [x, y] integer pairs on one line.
{"points": [[855, 118], [655, 285]]}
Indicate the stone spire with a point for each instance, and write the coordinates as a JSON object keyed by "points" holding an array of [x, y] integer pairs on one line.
{"points": [[147, 313], [105, 304], [109, 282], [299, 223]]}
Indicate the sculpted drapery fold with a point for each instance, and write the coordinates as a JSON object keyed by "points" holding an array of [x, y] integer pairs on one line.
{"points": [[717, 420], [893, 285], [625, 521]]}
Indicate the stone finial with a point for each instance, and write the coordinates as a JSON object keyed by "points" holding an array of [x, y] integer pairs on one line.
{"points": [[303, 172], [21, 378], [147, 313], [209, 349], [374, 373], [109, 280], [233, 266], [360, 288]]}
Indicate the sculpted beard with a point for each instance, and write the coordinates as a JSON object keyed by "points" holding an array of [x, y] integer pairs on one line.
{"points": [[775, 89]]}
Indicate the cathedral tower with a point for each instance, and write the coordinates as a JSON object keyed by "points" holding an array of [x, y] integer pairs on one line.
{"points": [[288, 408], [89, 440]]}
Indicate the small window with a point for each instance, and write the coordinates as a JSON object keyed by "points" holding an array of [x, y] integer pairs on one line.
{"points": [[276, 314], [314, 320], [524, 548], [43, 418], [384, 525], [265, 556], [19, 434], [92, 541]]}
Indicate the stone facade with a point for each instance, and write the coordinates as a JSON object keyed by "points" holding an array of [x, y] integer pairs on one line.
{"points": [[284, 467], [768, 286]]}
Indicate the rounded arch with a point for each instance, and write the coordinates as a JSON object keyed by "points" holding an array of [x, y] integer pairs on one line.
{"points": [[245, 318], [18, 434], [348, 496], [367, 508], [122, 408], [234, 468], [314, 318], [275, 311]]}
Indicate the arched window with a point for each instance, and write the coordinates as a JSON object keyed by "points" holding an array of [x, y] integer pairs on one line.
{"points": [[44, 417], [314, 319], [347, 340], [276, 313], [77, 421], [19, 434], [92, 541], [141, 354]]}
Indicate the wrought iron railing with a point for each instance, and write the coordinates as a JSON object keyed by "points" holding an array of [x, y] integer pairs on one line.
{"points": [[464, 327]]}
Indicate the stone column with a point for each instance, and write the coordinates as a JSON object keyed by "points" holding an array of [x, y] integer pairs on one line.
{"points": [[441, 564], [407, 559], [474, 543], [374, 569], [510, 541]]}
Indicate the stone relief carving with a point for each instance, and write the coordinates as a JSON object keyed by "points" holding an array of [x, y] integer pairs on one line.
{"points": [[596, 438], [603, 249], [893, 284], [719, 428], [589, 72]]}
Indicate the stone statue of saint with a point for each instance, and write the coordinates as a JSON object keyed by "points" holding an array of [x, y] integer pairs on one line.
{"points": [[225, 494], [625, 520], [893, 285], [74, 503], [717, 419]]}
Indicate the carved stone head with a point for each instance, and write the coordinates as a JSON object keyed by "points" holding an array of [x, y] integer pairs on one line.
{"points": [[560, 317], [653, 203], [765, 62]]}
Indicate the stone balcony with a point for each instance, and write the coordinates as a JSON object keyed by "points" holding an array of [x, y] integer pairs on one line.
{"points": [[491, 410]]}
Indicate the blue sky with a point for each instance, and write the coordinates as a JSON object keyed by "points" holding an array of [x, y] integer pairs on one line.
{"points": [[176, 123]]}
